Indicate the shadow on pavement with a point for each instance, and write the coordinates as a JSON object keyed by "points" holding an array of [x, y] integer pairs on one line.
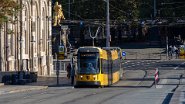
{"points": [[51, 82]]}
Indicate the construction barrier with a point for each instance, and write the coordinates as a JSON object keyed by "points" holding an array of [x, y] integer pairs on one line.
{"points": [[156, 77], [156, 74]]}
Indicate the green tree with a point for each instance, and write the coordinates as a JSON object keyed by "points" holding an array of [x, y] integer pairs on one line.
{"points": [[96, 9], [165, 8], [8, 9]]}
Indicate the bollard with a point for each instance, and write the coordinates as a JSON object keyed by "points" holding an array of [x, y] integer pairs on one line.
{"points": [[156, 77]]}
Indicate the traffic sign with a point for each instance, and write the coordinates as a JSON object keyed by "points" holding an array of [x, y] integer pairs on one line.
{"points": [[123, 53], [60, 52], [61, 48]]}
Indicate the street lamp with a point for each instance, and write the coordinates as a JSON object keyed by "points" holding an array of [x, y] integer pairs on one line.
{"points": [[69, 9], [155, 10], [49, 52], [33, 41], [107, 26]]}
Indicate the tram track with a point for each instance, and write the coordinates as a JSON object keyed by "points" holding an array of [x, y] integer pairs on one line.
{"points": [[51, 97], [31, 95], [111, 92]]}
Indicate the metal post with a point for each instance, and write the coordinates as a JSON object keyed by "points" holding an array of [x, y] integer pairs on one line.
{"points": [[32, 56], [93, 41], [21, 63], [71, 61], [57, 69], [155, 83], [69, 9], [155, 11], [108, 26], [167, 47]]}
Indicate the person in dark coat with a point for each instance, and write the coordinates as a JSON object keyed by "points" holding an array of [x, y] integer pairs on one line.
{"points": [[72, 74], [69, 71]]}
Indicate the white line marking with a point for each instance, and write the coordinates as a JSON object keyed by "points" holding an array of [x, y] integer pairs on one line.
{"points": [[164, 81]]}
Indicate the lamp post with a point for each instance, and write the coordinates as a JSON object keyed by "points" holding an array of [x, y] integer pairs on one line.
{"points": [[20, 46], [155, 10], [108, 26], [48, 60], [33, 41], [69, 9]]}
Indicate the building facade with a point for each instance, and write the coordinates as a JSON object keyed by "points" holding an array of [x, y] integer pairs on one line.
{"points": [[29, 47]]}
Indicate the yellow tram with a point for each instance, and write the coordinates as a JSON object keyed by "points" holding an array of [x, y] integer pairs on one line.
{"points": [[98, 66]]}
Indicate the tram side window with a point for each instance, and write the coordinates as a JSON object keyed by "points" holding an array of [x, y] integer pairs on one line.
{"points": [[115, 65], [104, 66]]}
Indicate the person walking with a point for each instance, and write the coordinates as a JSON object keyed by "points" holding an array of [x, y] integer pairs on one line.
{"points": [[174, 51], [177, 52], [72, 75], [170, 52], [69, 71]]}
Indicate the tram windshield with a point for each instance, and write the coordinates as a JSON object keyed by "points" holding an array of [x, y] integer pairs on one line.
{"points": [[88, 63]]}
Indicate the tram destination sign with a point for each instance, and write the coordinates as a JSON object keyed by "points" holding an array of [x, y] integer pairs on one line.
{"points": [[88, 55]]}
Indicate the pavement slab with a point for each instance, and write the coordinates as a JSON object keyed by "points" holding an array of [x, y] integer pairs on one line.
{"points": [[7, 89]]}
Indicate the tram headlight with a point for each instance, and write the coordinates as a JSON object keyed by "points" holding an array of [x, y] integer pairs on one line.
{"points": [[94, 77], [81, 76]]}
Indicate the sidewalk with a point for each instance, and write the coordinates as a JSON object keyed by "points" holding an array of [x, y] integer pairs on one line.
{"points": [[42, 83]]}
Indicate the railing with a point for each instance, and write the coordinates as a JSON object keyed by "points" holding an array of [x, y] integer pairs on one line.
{"points": [[145, 56], [62, 64]]}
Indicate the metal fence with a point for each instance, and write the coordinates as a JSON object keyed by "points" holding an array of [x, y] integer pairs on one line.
{"points": [[146, 56], [62, 64], [146, 53]]}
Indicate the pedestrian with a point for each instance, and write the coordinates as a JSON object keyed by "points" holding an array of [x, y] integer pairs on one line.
{"points": [[174, 50], [72, 75], [68, 71], [170, 52], [177, 52]]}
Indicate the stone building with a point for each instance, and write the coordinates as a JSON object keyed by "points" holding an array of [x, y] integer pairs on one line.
{"points": [[29, 47]]}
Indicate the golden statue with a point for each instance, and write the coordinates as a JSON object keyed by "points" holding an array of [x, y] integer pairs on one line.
{"points": [[58, 14]]}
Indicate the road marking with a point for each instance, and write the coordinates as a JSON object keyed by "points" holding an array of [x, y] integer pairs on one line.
{"points": [[179, 65], [164, 81]]}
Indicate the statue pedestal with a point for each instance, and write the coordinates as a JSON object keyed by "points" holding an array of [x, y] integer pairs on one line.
{"points": [[59, 37]]}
